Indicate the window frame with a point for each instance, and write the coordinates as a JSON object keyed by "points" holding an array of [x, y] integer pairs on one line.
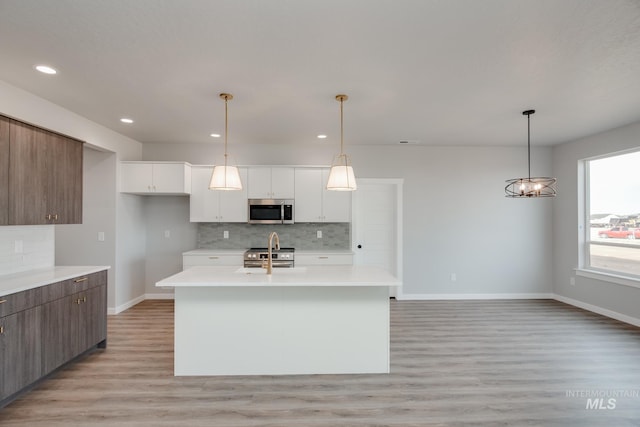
{"points": [[585, 269]]}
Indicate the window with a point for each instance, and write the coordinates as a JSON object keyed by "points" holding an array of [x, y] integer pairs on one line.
{"points": [[613, 214]]}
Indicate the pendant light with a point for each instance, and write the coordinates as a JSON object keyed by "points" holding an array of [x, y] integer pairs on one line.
{"points": [[540, 186], [341, 177], [225, 177]]}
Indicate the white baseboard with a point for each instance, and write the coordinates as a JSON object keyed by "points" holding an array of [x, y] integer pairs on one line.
{"points": [[122, 307], [433, 297], [137, 300], [158, 296], [599, 310]]}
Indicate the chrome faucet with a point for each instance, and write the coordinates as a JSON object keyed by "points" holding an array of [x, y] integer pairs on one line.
{"points": [[269, 265]]}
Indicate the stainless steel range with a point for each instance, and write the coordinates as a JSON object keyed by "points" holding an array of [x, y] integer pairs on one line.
{"points": [[257, 257]]}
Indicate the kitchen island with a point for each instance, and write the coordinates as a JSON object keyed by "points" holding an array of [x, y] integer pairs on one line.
{"points": [[304, 320]]}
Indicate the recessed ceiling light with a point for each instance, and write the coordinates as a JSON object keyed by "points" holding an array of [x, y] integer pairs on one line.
{"points": [[46, 69], [215, 135], [126, 120], [322, 136]]}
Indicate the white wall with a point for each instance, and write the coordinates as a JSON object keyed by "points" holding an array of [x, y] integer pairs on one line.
{"points": [[78, 244], [616, 298], [127, 282], [164, 254], [456, 218]]}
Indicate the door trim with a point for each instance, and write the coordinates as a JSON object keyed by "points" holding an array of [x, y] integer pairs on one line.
{"points": [[398, 183]]}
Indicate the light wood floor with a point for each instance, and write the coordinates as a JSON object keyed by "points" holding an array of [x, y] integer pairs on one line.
{"points": [[485, 363]]}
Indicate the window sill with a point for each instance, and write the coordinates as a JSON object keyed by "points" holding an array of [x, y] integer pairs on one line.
{"points": [[608, 277]]}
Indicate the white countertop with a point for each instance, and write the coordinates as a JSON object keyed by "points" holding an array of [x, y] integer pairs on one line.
{"points": [[335, 275], [242, 251], [18, 282]]}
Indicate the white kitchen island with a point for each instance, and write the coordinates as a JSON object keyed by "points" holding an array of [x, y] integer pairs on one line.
{"points": [[304, 320]]}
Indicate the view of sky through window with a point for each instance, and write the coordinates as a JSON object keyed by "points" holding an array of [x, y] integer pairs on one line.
{"points": [[615, 185]]}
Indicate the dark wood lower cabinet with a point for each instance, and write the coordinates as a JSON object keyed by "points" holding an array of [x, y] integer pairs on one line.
{"points": [[20, 350], [58, 326]]}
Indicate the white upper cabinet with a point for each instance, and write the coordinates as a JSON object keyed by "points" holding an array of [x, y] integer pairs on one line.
{"points": [[271, 183], [314, 203], [159, 178], [215, 205]]}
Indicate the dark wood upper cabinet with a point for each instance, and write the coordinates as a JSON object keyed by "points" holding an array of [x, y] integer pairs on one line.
{"points": [[4, 170], [44, 183]]}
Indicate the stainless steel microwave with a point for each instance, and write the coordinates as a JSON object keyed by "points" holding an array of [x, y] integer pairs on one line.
{"points": [[270, 211]]}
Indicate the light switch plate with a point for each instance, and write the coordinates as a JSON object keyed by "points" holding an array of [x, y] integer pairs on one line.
{"points": [[319, 234], [225, 234]]}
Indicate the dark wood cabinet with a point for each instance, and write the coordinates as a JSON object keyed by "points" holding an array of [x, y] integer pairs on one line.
{"points": [[19, 350], [4, 170], [43, 175], [43, 328]]}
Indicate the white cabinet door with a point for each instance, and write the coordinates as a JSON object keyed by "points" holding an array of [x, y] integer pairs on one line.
{"points": [[314, 203], [233, 204], [336, 205], [323, 259], [171, 178], [136, 177], [216, 206], [308, 195], [282, 183], [204, 204], [155, 178], [259, 183], [271, 183]]}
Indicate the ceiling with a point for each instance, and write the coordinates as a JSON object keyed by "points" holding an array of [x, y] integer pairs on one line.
{"points": [[440, 72]]}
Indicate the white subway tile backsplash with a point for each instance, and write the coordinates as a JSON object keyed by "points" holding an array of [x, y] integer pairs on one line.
{"points": [[38, 248]]}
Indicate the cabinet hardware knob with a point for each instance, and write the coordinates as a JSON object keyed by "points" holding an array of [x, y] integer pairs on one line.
{"points": [[55, 217], [323, 257], [84, 299], [78, 301], [214, 257], [48, 217], [359, 246], [2, 301], [1, 329], [84, 279]]}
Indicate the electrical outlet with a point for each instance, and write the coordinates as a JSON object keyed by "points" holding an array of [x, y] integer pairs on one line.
{"points": [[100, 236], [319, 234], [453, 277], [167, 233], [572, 281], [225, 234], [18, 246]]}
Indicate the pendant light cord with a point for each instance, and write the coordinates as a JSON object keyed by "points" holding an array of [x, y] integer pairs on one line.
{"points": [[528, 143], [341, 127], [226, 129]]}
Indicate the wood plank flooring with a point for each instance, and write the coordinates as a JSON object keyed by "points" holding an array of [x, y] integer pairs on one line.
{"points": [[453, 363]]}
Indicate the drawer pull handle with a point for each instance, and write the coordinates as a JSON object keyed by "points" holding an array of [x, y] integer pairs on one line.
{"points": [[84, 279], [2, 301], [323, 257], [214, 257], [1, 329]]}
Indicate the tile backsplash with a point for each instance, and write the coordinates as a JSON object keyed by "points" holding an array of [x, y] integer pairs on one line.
{"points": [[335, 235], [26, 247]]}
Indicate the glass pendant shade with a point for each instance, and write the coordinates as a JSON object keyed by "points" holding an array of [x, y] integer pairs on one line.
{"points": [[341, 177], [537, 186], [226, 178]]}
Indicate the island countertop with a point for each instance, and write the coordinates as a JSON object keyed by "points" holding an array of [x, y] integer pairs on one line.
{"points": [[326, 276]]}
